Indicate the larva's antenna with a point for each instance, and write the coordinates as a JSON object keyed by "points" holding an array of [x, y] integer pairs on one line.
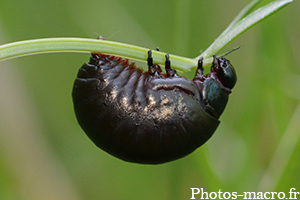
{"points": [[225, 54]]}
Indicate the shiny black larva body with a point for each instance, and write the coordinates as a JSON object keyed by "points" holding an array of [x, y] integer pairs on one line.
{"points": [[149, 117]]}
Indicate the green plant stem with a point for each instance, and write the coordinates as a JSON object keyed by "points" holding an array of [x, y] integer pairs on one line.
{"points": [[240, 24], [49, 45], [242, 14]]}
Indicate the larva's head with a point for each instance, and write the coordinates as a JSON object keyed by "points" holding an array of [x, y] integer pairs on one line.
{"points": [[224, 71]]}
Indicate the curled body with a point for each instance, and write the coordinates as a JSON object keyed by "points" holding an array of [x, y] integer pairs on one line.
{"points": [[149, 117]]}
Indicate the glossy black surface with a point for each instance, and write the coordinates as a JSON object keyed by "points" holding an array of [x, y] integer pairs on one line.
{"points": [[147, 117]]}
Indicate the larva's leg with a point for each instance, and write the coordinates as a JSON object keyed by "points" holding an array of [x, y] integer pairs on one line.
{"points": [[153, 70], [170, 72], [215, 63], [199, 72]]}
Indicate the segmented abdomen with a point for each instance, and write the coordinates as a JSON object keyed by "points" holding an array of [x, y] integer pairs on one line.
{"points": [[137, 117]]}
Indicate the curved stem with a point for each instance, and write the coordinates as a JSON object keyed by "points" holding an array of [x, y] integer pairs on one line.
{"points": [[240, 24], [241, 15], [49, 45]]}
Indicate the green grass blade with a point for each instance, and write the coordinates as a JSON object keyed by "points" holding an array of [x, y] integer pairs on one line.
{"points": [[243, 25], [50, 45], [242, 14]]}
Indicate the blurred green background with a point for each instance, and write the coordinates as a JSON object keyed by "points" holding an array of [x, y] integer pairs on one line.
{"points": [[45, 155]]}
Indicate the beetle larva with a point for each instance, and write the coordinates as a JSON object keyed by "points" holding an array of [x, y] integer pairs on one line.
{"points": [[149, 117]]}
